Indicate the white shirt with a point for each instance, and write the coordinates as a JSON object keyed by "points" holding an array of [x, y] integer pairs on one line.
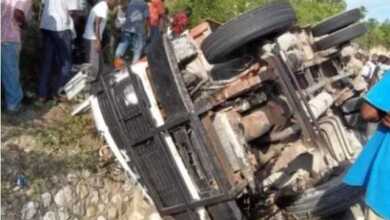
{"points": [[368, 70], [99, 10], [120, 18], [55, 16]]}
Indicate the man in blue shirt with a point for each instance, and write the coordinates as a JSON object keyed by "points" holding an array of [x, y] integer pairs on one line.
{"points": [[133, 30], [371, 170]]}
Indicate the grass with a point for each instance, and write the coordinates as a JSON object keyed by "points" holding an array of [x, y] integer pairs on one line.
{"points": [[58, 144]]}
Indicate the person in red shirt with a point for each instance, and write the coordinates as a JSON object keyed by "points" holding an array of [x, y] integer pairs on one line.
{"points": [[156, 13], [180, 21]]}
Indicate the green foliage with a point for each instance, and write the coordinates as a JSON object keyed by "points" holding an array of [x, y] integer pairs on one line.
{"points": [[308, 11], [218, 10], [69, 131], [378, 34]]}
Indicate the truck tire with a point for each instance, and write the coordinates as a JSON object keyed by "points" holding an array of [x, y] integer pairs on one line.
{"points": [[270, 20], [337, 22], [341, 36], [327, 199], [230, 69]]}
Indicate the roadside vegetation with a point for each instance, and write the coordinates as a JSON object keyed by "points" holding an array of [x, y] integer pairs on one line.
{"points": [[308, 12], [378, 34]]}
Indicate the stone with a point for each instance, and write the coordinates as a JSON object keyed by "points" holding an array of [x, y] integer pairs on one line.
{"points": [[96, 182], [72, 178], [49, 216], [128, 187], [116, 199], [126, 199], [112, 213], [105, 153], [29, 192], [155, 216], [101, 218], [29, 210], [82, 190], [115, 188], [85, 173], [94, 197], [63, 214], [64, 197], [46, 199], [101, 207], [136, 211], [79, 209], [91, 211], [104, 196], [54, 179], [27, 141]]}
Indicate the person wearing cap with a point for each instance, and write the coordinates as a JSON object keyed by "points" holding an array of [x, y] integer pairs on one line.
{"points": [[371, 169]]}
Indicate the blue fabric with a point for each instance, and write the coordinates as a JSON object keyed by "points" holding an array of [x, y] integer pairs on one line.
{"points": [[57, 52], [136, 15], [10, 75], [135, 40], [371, 170], [154, 33]]}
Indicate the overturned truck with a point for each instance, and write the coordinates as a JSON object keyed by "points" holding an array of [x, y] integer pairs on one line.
{"points": [[254, 118]]}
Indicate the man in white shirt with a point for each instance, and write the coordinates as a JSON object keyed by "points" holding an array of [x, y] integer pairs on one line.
{"points": [[56, 26], [93, 33], [368, 68]]}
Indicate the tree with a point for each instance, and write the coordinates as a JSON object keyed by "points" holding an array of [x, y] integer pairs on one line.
{"points": [[308, 11], [378, 34]]}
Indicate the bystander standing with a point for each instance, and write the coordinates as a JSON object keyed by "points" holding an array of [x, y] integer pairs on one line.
{"points": [[368, 68], [133, 31], [93, 33], [57, 33], [13, 19], [156, 12]]}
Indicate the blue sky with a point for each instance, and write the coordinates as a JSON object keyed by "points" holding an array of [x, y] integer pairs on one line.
{"points": [[379, 9]]}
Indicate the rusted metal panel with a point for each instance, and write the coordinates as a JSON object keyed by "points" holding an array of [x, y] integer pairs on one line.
{"points": [[255, 125], [216, 144], [243, 84]]}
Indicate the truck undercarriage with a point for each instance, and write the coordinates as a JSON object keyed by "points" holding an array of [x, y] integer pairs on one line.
{"points": [[251, 119]]}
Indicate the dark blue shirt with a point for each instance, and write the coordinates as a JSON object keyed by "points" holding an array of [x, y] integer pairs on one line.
{"points": [[136, 17]]}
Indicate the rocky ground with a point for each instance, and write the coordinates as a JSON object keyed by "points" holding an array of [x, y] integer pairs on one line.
{"points": [[55, 167]]}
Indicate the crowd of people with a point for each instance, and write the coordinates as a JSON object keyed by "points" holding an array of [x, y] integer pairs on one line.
{"points": [[138, 21], [374, 67]]}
